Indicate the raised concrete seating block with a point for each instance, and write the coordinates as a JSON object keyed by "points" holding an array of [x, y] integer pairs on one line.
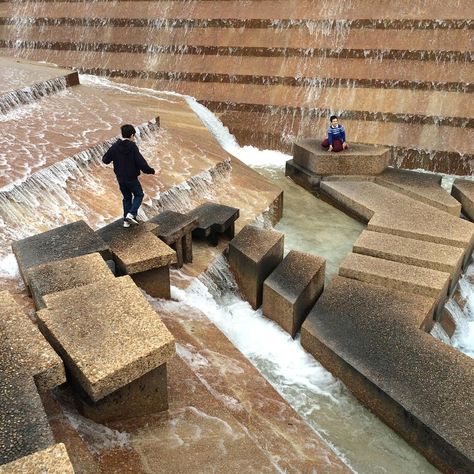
{"points": [[106, 333], [399, 276], [253, 254], [358, 159], [52, 460], [175, 229], [292, 289], [368, 336], [303, 177], [67, 241], [463, 191], [423, 187], [142, 255], [443, 258], [214, 219], [21, 337], [65, 274]]}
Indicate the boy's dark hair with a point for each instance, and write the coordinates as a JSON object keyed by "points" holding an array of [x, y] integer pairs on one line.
{"points": [[127, 130], [332, 117]]}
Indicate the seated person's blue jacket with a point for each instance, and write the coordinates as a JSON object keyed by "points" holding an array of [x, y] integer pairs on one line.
{"points": [[337, 133], [128, 161]]}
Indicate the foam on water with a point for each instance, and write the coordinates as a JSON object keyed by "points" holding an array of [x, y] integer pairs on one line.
{"points": [[8, 267]]}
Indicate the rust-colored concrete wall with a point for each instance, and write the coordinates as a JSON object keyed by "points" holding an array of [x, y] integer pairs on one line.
{"points": [[400, 75]]}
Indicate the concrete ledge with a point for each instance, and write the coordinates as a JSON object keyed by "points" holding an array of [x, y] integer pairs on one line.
{"points": [[463, 191], [292, 289], [419, 386], [301, 176], [53, 460], [358, 159], [106, 333]]}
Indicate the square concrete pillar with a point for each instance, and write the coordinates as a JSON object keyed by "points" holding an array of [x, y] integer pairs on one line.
{"points": [[155, 282], [253, 255], [292, 289]]}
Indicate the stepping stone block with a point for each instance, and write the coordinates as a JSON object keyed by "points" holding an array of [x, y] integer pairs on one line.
{"points": [[399, 276], [253, 254], [422, 187], [292, 289], [214, 219], [67, 241], [22, 337], [443, 258], [357, 160], [175, 229], [369, 337], [66, 274], [106, 333], [463, 191], [52, 460], [142, 255]]}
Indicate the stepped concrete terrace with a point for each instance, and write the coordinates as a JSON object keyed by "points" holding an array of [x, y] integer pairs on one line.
{"points": [[28, 367], [400, 372], [398, 77], [463, 191]]}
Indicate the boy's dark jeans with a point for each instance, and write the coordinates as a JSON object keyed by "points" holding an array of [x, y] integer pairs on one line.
{"points": [[132, 193]]}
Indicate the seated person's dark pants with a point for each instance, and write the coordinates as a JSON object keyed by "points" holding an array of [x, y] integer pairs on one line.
{"points": [[132, 193], [336, 144]]}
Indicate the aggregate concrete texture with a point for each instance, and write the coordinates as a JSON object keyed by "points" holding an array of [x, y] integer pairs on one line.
{"points": [[52, 460], [67, 241], [292, 289], [22, 337], [356, 160], [106, 333], [369, 337], [172, 225], [214, 215], [253, 254], [135, 248], [463, 191], [65, 274], [423, 187]]}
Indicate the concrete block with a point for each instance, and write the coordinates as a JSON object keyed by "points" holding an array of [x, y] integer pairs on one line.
{"points": [[292, 289], [253, 254], [303, 177], [463, 191], [155, 282], [357, 160]]}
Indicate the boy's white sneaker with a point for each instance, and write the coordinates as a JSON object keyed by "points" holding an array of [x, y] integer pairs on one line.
{"points": [[126, 224], [131, 219]]}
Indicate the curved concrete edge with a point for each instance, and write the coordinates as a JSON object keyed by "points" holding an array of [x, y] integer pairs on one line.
{"points": [[463, 191]]}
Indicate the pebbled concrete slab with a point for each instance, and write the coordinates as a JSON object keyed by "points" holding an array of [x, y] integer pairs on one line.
{"points": [[292, 289], [66, 274], [368, 337], [463, 191], [423, 187], [21, 337], [399, 276], [173, 225], [253, 254], [107, 334], [136, 249], [67, 241], [358, 159], [52, 460]]}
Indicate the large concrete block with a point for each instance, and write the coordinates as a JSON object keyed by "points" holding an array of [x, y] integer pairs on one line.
{"points": [[359, 159], [67, 241], [106, 333], [292, 289], [253, 254], [463, 191]]}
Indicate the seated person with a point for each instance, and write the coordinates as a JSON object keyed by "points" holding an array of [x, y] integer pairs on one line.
{"points": [[336, 140]]}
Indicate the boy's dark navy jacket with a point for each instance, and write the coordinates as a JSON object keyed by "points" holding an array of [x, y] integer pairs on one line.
{"points": [[127, 159]]}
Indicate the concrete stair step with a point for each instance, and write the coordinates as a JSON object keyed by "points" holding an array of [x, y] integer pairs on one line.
{"points": [[463, 191]]}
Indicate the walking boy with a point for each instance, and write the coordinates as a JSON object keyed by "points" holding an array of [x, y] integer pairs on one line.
{"points": [[128, 162]]}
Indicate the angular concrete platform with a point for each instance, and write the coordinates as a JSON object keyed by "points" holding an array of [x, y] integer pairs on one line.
{"points": [[423, 187], [67, 241], [253, 254], [463, 191], [443, 258], [399, 276], [358, 159], [66, 274], [106, 333], [369, 337], [52, 460], [292, 289]]}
